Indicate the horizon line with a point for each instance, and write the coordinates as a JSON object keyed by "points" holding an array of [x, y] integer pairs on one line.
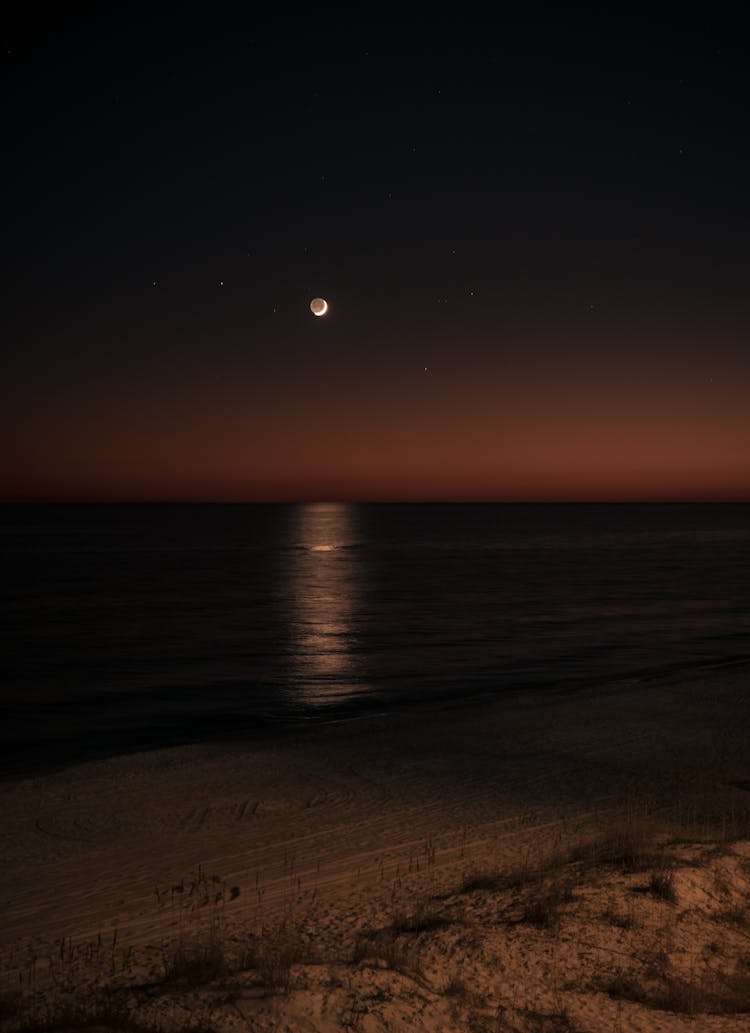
{"points": [[314, 500]]}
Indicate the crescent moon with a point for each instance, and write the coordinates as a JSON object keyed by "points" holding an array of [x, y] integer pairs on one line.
{"points": [[319, 306]]}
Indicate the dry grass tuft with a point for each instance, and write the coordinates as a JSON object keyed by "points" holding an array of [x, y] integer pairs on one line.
{"points": [[736, 916], [422, 920], [477, 882], [456, 987], [541, 1022], [383, 948], [627, 846], [661, 885], [95, 1010], [277, 951], [721, 995], [197, 965], [618, 919], [509, 879], [543, 910], [625, 986]]}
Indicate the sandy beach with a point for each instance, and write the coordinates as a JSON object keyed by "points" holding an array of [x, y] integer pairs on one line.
{"points": [[375, 863]]}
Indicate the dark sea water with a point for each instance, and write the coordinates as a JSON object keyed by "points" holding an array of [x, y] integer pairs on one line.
{"points": [[133, 626]]}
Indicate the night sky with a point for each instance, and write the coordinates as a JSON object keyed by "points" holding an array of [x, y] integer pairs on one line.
{"points": [[533, 239]]}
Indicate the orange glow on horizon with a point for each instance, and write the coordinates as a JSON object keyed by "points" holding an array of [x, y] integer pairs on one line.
{"points": [[504, 435]]}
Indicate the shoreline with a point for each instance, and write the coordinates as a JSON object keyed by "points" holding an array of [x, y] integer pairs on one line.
{"points": [[55, 754], [498, 755], [349, 821]]}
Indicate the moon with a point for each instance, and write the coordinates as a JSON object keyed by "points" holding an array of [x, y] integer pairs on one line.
{"points": [[318, 306]]}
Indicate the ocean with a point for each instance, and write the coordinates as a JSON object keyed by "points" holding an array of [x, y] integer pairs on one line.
{"points": [[136, 626]]}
